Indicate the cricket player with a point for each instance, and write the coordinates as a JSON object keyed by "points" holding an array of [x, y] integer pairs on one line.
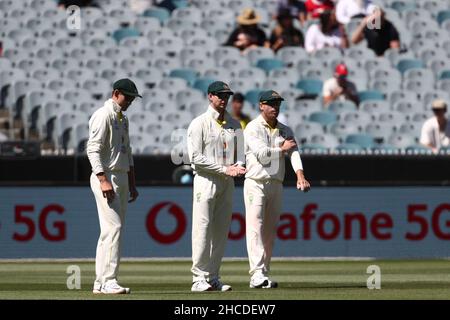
{"points": [[267, 141], [213, 148], [112, 180]]}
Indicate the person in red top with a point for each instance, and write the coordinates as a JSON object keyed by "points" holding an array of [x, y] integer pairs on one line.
{"points": [[315, 7]]}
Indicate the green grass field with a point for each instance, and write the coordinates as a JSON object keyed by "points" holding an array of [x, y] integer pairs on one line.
{"points": [[299, 280]]}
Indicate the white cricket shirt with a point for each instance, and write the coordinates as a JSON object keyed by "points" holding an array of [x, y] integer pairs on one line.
{"points": [[430, 134], [214, 145], [108, 147], [264, 158]]}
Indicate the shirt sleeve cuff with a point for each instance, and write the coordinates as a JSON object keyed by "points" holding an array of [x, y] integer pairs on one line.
{"points": [[97, 170]]}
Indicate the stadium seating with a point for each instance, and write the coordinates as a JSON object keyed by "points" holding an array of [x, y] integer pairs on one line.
{"points": [[174, 56]]}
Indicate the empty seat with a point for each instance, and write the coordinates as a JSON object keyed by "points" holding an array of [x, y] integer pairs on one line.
{"points": [[327, 140], [166, 64], [252, 96], [185, 97], [359, 117], [99, 88], [189, 75], [269, 64], [406, 64], [403, 95], [218, 73], [411, 128], [117, 53], [234, 64], [202, 84], [364, 140], [341, 130], [325, 118], [370, 95], [161, 14], [310, 86], [401, 140], [30, 65], [342, 106], [64, 124], [131, 65], [385, 86], [349, 148], [243, 85], [374, 106], [200, 64], [443, 84], [380, 131], [79, 75], [428, 97], [291, 55], [189, 33], [305, 130], [190, 13], [418, 85], [258, 53], [171, 45], [394, 117], [179, 24], [407, 107], [189, 52]]}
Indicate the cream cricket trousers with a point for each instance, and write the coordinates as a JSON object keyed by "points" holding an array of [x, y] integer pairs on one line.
{"points": [[112, 218], [263, 201], [211, 218]]}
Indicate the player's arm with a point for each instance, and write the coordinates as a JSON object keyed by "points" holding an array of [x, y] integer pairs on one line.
{"points": [[297, 165], [240, 147], [131, 176], [426, 139], [98, 130], [358, 34], [196, 156], [132, 185], [263, 153]]}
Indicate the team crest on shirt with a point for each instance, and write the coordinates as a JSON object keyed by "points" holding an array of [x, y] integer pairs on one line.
{"points": [[198, 196]]}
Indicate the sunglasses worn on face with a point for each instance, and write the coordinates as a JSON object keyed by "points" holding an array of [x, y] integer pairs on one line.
{"points": [[223, 95], [274, 104]]}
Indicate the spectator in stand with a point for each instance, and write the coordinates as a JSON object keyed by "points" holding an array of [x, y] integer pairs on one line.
{"points": [[285, 34], [329, 33], [348, 9], [297, 9], [314, 8], [139, 6], [248, 34], [80, 3], [3, 137], [339, 87], [379, 32], [436, 130], [237, 104]]}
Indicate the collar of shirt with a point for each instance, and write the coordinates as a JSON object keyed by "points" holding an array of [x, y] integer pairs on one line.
{"points": [[116, 108], [265, 124], [215, 115]]}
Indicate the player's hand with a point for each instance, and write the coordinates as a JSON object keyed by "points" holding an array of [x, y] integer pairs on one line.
{"points": [[133, 194], [288, 144], [303, 185], [107, 190], [235, 170]]}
